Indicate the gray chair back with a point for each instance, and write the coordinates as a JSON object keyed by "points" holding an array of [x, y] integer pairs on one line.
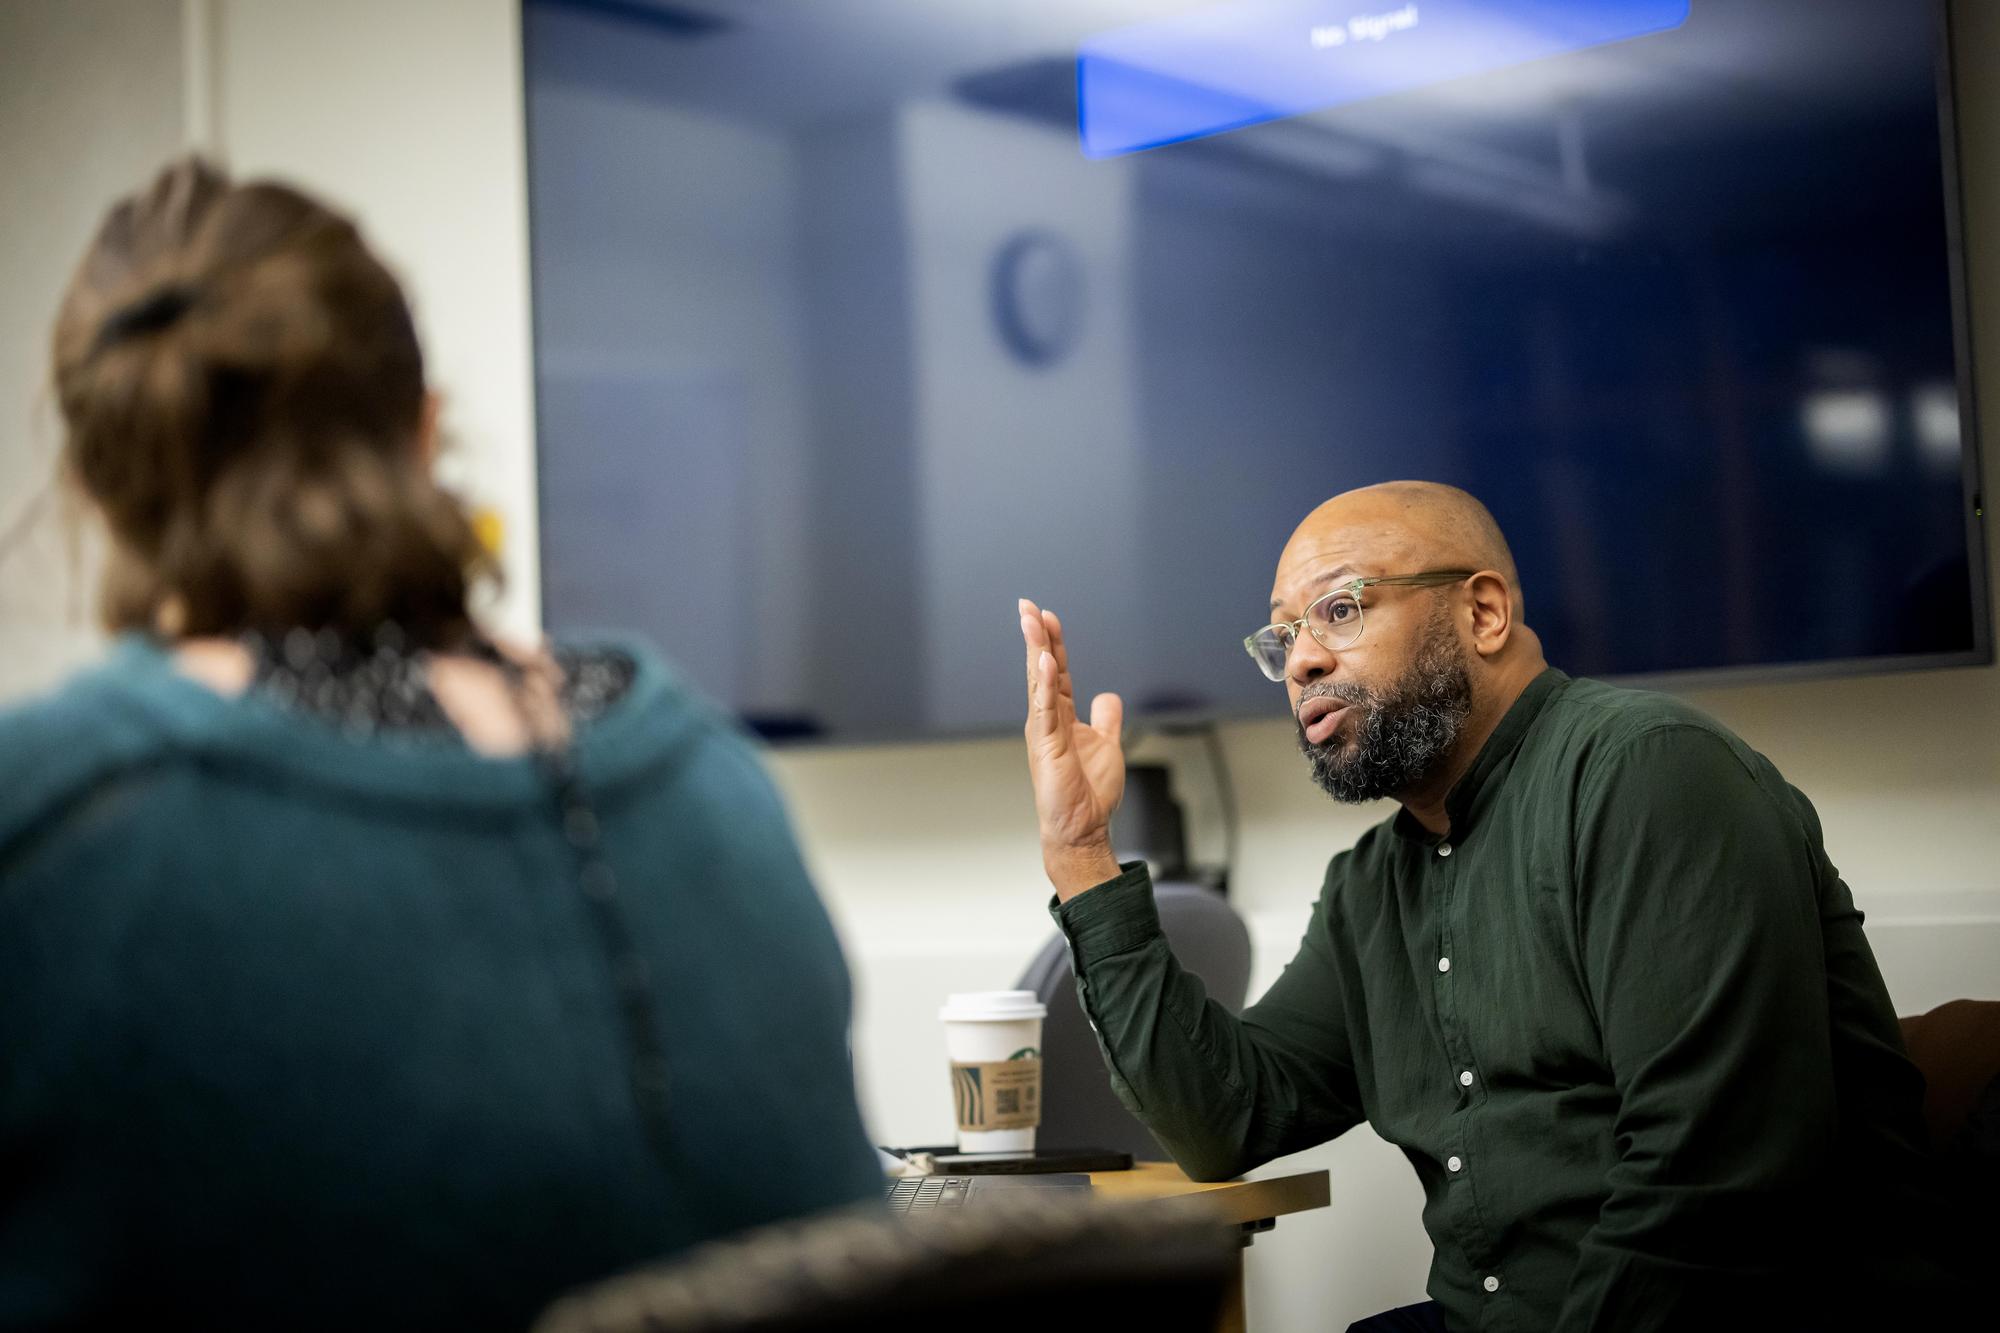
{"points": [[1079, 1110]]}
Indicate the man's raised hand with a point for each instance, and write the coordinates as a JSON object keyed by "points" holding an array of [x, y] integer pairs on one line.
{"points": [[1077, 768]]}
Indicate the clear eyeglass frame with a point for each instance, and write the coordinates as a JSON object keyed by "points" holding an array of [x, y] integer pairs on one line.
{"points": [[1334, 618]]}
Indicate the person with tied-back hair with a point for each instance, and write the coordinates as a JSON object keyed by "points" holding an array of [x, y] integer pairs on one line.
{"points": [[356, 970], [1596, 976]]}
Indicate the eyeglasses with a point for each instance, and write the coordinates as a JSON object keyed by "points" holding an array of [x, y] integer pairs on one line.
{"points": [[1333, 618]]}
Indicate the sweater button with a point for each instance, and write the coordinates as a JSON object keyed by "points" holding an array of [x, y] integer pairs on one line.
{"points": [[1491, 1283], [1453, 1165]]}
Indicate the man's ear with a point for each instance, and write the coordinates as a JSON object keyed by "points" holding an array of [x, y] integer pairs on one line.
{"points": [[1492, 612]]}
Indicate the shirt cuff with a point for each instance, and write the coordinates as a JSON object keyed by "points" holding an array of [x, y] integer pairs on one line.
{"points": [[1115, 917]]}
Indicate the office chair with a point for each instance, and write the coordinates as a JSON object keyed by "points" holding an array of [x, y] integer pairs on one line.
{"points": [[1957, 1047], [1079, 1110], [1003, 1266]]}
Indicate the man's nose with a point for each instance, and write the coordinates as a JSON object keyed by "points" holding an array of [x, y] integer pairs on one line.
{"points": [[1309, 660]]}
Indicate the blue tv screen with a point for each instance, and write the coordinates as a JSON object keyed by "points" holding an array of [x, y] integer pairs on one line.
{"points": [[857, 320]]}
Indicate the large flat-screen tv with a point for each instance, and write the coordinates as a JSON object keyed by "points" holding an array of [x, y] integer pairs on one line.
{"points": [[857, 319]]}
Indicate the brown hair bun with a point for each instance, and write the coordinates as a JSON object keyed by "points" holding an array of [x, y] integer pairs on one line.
{"points": [[243, 394]]}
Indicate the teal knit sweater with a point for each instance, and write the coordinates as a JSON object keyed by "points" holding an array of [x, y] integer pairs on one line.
{"points": [[304, 1031]]}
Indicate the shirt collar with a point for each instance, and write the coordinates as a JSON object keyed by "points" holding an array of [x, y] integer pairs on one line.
{"points": [[1463, 802]]}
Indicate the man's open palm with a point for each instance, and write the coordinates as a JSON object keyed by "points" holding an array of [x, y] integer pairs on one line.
{"points": [[1078, 768]]}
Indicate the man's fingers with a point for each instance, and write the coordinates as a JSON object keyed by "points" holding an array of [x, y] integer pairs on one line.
{"points": [[1065, 688], [1042, 632], [1034, 638], [1032, 628], [1051, 698], [1045, 720], [1043, 713], [1107, 716], [1053, 624]]}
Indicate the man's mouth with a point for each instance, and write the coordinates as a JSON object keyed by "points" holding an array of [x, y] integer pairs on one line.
{"points": [[1320, 717]]}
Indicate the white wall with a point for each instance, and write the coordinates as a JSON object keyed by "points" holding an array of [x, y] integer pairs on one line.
{"points": [[410, 114], [90, 101]]}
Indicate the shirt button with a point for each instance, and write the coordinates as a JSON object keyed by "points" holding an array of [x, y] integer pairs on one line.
{"points": [[1452, 1164], [1491, 1283], [1444, 849], [1444, 964], [1465, 1078]]}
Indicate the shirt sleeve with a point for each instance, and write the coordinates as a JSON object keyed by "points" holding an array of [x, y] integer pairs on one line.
{"points": [[1701, 952], [1223, 1093]]}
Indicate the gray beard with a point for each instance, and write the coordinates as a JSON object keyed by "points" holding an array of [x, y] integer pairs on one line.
{"points": [[1403, 734]]}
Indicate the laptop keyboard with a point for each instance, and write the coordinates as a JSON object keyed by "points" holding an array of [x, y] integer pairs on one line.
{"points": [[922, 1194]]}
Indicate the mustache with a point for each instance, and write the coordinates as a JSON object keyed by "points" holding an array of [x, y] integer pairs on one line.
{"points": [[1347, 691]]}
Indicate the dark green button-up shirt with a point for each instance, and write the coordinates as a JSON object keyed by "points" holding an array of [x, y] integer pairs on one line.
{"points": [[1622, 1020]]}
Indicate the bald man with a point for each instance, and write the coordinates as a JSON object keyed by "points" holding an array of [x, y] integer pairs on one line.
{"points": [[1596, 978]]}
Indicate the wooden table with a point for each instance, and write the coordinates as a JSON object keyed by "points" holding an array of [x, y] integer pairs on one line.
{"points": [[1256, 1205]]}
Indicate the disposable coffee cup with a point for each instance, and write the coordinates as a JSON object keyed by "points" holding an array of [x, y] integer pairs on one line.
{"points": [[994, 1039]]}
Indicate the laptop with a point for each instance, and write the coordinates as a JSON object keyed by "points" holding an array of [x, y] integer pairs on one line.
{"points": [[913, 1196]]}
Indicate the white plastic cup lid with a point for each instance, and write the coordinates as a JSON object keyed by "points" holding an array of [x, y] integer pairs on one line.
{"points": [[992, 1006]]}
